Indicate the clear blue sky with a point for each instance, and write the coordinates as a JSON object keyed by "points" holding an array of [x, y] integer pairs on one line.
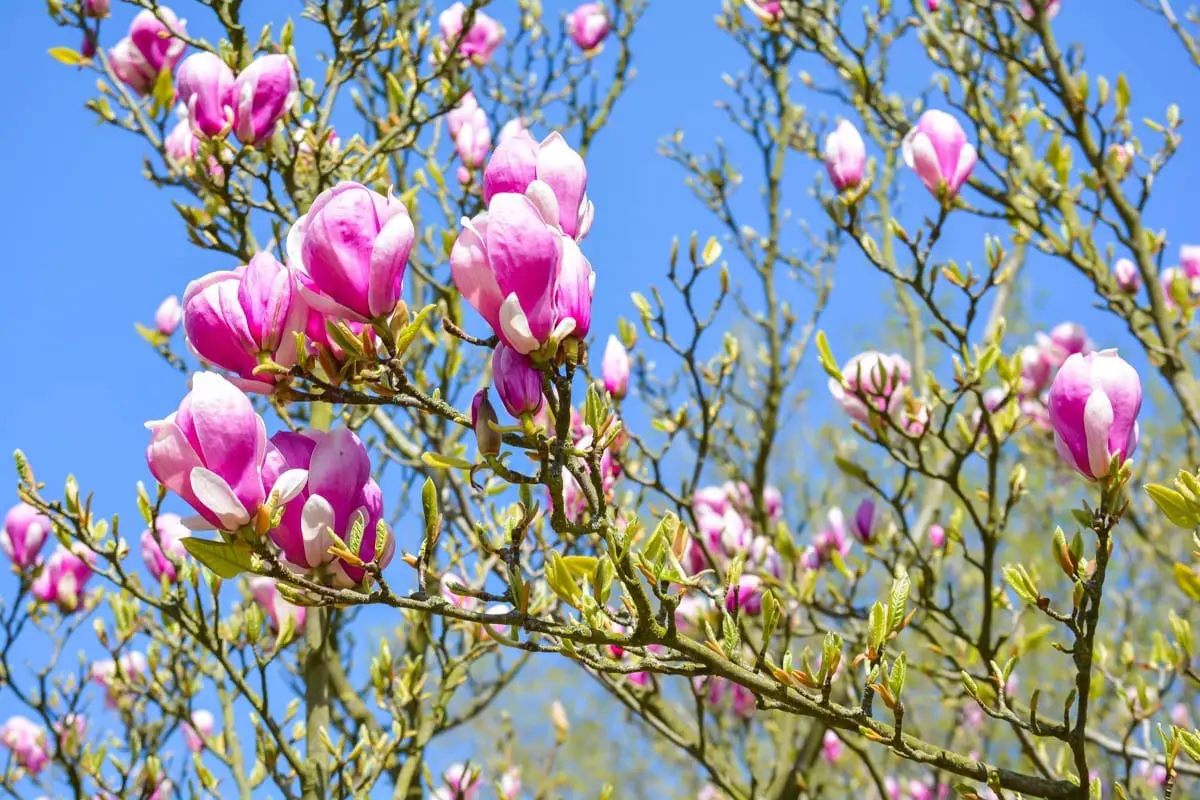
{"points": [[92, 247]]}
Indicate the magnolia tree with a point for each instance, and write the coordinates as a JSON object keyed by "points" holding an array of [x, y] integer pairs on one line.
{"points": [[389, 397]]}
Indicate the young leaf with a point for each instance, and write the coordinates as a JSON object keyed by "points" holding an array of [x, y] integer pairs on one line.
{"points": [[225, 560]]}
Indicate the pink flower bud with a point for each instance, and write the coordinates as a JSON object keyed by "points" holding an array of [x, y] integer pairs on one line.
{"points": [[1120, 156], [147, 50], [468, 126], [462, 780], [204, 84], [510, 784], [87, 47], [746, 596], [518, 382], [199, 729], [1127, 275], [96, 8], [25, 532], [479, 42], [263, 94], [168, 315], [1050, 8], [551, 173], [1189, 260], [181, 145], [27, 741], [63, 576], [866, 521], [1094, 403], [831, 747], [338, 496], [211, 451], [588, 25], [766, 11], [515, 129], [933, 5], [278, 610], [350, 251], [483, 417], [164, 555], [236, 318], [845, 156], [937, 536], [615, 368], [938, 151], [1065, 340], [870, 379]]}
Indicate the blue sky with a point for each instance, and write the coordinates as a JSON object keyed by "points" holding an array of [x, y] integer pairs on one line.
{"points": [[92, 247]]}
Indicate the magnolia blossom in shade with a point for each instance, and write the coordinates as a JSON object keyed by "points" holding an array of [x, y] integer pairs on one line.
{"points": [[615, 368], [278, 611], [938, 151], [63, 576], [871, 379], [1155, 775], [204, 84], [866, 521], [831, 747], [1049, 7], [552, 174], [829, 540], [149, 48], [845, 156], [164, 555], [211, 452], [1065, 340], [24, 534], [350, 252], [746, 596], [1127, 275], [235, 318], [588, 25], [1094, 402], [528, 280], [722, 693], [937, 536], [518, 382], [339, 494], [469, 128], [766, 11], [96, 8], [263, 94], [479, 41], [168, 315], [28, 743], [510, 784], [118, 676], [200, 727]]}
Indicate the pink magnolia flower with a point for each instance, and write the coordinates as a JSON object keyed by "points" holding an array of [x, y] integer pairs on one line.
{"points": [[339, 495], [1127, 275], [615, 368], [1173, 277], [938, 151], [350, 252], [518, 382], [27, 742], [937, 536], [515, 129], [279, 611], [181, 145], [1036, 371], [263, 94], [831, 539], [168, 315], [1189, 260], [1181, 717], [24, 534], [766, 11], [1094, 403], [1155, 775], [204, 84], [845, 156], [63, 576], [878, 378], [464, 601], [866, 522], [510, 784], [96, 8], [198, 730], [1049, 7], [933, 5], [462, 781], [552, 174], [528, 280], [1120, 157], [236, 318], [70, 730], [831, 747], [588, 25], [480, 40], [148, 49], [164, 560], [468, 126], [117, 677], [721, 694], [746, 596], [1065, 340], [211, 452]]}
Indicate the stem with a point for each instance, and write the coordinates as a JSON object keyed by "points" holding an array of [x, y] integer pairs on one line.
{"points": [[316, 697]]}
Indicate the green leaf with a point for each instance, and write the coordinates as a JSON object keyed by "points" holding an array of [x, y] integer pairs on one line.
{"points": [[712, 251], [876, 626], [224, 559], [898, 603], [850, 469], [1188, 581], [357, 528], [1123, 93], [825, 356], [899, 673], [65, 55], [442, 461], [1016, 577], [405, 338], [433, 519], [1174, 505], [579, 567]]}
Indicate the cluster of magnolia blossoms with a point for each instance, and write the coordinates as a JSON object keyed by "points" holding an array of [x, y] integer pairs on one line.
{"points": [[875, 388], [58, 580], [1039, 363], [464, 781]]}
